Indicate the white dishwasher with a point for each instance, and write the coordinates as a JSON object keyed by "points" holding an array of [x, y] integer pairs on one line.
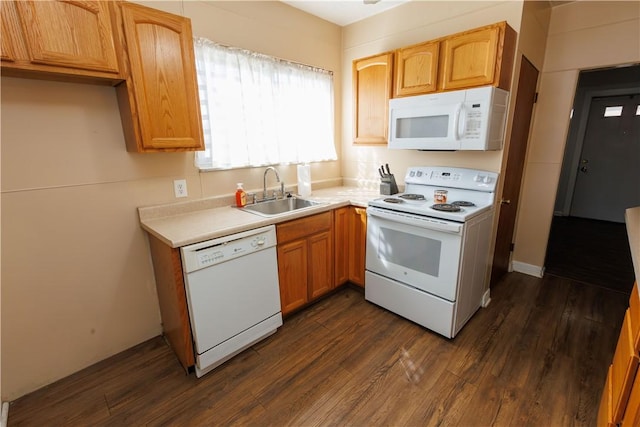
{"points": [[232, 293]]}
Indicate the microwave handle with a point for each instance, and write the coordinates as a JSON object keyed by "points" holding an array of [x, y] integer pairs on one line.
{"points": [[459, 121]]}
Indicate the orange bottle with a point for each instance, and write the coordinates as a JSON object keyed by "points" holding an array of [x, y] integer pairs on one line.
{"points": [[241, 196]]}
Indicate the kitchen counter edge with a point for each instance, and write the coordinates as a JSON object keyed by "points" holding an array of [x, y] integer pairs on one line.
{"points": [[184, 223]]}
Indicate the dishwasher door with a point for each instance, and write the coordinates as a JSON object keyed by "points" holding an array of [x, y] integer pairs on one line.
{"points": [[233, 303]]}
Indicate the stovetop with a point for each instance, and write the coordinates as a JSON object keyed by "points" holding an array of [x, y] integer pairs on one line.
{"points": [[472, 189]]}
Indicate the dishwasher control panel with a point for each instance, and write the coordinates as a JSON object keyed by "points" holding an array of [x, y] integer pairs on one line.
{"points": [[216, 251]]}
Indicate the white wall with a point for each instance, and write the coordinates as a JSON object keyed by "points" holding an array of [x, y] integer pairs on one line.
{"points": [[582, 35], [77, 281]]}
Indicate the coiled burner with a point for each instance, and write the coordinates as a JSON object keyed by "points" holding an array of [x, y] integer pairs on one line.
{"points": [[410, 196], [463, 203], [392, 200], [446, 207]]}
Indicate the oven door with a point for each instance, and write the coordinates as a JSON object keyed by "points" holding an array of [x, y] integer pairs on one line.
{"points": [[421, 252]]}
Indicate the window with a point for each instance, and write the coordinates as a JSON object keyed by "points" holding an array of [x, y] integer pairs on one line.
{"points": [[258, 110], [613, 111]]}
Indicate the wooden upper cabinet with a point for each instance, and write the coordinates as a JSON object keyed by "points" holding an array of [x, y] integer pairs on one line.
{"points": [[9, 30], [416, 69], [159, 102], [372, 86], [73, 40], [479, 57]]}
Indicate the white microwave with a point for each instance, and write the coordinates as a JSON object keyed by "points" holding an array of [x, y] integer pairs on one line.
{"points": [[470, 119]]}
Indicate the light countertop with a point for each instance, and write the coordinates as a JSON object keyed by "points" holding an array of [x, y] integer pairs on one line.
{"points": [[184, 223]]}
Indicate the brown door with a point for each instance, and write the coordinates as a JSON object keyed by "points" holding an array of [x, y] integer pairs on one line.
{"points": [[525, 98]]}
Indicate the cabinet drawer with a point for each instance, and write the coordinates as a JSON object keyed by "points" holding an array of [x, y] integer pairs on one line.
{"points": [[625, 364], [605, 415], [634, 311], [631, 416], [303, 227]]}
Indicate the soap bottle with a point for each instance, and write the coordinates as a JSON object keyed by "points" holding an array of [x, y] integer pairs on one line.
{"points": [[241, 196]]}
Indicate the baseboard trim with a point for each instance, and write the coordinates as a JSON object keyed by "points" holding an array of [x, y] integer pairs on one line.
{"points": [[486, 298], [531, 270], [5, 414]]}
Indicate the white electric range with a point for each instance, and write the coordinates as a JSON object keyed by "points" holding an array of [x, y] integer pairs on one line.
{"points": [[426, 260]]}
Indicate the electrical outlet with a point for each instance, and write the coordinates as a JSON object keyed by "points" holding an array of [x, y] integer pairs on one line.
{"points": [[180, 187]]}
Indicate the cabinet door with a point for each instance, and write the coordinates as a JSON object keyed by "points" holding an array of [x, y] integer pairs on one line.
{"points": [[605, 415], [469, 59], [9, 31], [292, 274], [320, 264], [624, 366], [358, 244], [416, 69], [160, 96], [631, 416], [372, 80], [634, 314], [75, 34], [341, 218]]}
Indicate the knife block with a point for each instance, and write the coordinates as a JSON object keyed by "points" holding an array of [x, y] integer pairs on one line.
{"points": [[388, 185]]}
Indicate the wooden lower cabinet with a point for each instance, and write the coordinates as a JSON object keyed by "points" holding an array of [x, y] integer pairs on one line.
{"points": [[631, 416], [341, 245], [350, 230], [320, 269], [292, 274], [605, 412], [305, 260], [621, 395], [172, 297], [357, 244]]}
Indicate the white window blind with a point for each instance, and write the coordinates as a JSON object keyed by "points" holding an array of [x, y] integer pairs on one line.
{"points": [[258, 110]]}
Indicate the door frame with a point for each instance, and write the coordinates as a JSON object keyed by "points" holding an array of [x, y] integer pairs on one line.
{"points": [[505, 225], [572, 158]]}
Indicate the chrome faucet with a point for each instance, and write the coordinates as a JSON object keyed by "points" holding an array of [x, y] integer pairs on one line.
{"points": [[264, 182]]}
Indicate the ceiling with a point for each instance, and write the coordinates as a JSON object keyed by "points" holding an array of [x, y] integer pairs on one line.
{"points": [[345, 12]]}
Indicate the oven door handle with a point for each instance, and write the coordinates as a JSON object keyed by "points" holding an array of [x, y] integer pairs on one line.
{"points": [[415, 220]]}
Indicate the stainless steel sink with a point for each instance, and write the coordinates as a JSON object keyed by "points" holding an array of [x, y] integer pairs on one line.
{"points": [[278, 207]]}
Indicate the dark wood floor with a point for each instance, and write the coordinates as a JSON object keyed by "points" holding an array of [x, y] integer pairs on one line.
{"points": [[590, 251], [537, 356]]}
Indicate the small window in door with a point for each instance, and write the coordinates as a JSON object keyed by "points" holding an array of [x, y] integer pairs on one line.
{"points": [[638, 110], [613, 111]]}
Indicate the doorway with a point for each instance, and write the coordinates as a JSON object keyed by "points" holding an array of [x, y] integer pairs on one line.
{"points": [[610, 161], [599, 180]]}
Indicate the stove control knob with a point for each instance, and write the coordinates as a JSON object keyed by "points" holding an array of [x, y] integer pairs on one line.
{"points": [[486, 179], [412, 174], [477, 178], [419, 173]]}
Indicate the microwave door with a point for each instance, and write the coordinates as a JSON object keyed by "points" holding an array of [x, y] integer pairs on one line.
{"points": [[425, 128]]}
